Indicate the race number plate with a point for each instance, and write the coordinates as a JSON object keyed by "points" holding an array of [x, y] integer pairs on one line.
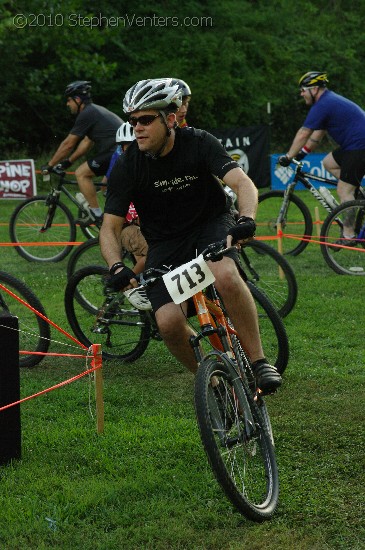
{"points": [[185, 281]]}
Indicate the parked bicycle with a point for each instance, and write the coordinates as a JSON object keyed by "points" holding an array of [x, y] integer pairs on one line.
{"points": [[97, 314], [344, 259], [231, 413], [287, 209], [34, 332], [263, 265], [45, 219]]}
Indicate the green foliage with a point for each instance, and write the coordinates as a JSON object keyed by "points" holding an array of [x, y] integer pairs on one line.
{"points": [[237, 56]]}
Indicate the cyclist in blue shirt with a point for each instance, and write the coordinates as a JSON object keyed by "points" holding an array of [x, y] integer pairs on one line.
{"points": [[344, 121]]}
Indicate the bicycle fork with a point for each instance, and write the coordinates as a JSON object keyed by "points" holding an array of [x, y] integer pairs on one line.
{"points": [[51, 201]]}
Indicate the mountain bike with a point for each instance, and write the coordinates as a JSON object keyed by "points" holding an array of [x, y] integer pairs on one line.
{"points": [[45, 219], [97, 314], [231, 413], [291, 212], [263, 265], [34, 332], [345, 260]]}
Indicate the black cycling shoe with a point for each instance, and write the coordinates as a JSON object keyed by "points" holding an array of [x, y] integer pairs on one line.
{"points": [[268, 379], [345, 242]]}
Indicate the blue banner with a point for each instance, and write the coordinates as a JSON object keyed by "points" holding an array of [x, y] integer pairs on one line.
{"points": [[312, 163]]}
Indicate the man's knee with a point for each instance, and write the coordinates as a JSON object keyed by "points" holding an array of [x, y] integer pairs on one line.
{"points": [[83, 171], [170, 322]]}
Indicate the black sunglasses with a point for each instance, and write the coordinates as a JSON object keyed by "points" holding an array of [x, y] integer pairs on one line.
{"points": [[144, 120]]}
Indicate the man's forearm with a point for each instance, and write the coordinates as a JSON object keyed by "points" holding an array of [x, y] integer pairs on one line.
{"points": [[110, 239]]}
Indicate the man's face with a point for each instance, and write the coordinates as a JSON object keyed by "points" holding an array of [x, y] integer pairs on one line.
{"points": [[309, 94], [150, 135], [73, 104], [181, 113]]}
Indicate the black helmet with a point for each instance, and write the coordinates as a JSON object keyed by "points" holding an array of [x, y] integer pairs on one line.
{"points": [[79, 88], [313, 78], [185, 89]]}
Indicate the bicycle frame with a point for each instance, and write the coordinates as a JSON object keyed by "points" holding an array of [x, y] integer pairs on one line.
{"points": [[213, 323]]}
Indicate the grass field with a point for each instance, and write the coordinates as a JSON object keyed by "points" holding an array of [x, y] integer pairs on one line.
{"points": [[145, 482]]}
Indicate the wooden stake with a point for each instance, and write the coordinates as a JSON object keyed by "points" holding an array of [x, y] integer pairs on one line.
{"points": [[97, 362], [280, 248], [318, 220]]}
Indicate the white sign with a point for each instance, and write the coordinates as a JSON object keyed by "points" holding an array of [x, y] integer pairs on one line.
{"points": [[17, 179], [185, 281]]}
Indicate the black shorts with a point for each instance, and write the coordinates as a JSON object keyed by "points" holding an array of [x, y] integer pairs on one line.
{"points": [[352, 164], [176, 252], [100, 164]]}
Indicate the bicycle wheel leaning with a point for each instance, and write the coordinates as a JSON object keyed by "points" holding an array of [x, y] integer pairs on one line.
{"points": [[297, 220], [348, 260], [105, 317], [267, 269], [27, 226], [236, 440], [34, 332]]}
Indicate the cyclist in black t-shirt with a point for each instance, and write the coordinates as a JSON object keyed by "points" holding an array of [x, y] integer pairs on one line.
{"points": [[171, 176], [94, 126]]}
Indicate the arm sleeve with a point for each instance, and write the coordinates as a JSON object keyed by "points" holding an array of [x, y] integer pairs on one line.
{"points": [[219, 162]]}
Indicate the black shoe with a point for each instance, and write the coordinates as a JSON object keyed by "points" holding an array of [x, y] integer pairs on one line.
{"points": [[90, 220], [345, 242], [268, 379]]}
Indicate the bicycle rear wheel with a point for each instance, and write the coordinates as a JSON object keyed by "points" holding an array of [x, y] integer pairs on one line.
{"points": [[267, 269], [350, 260], [105, 317], [34, 332], [235, 439], [297, 222], [25, 226], [273, 334]]}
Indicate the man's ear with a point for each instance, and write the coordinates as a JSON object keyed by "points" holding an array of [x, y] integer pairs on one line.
{"points": [[171, 119]]}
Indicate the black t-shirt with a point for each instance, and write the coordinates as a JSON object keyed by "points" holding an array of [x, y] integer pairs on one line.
{"points": [[175, 193], [99, 125]]}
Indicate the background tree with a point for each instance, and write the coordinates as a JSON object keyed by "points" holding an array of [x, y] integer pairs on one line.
{"points": [[237, 56]]}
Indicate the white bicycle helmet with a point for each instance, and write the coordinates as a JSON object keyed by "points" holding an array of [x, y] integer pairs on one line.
{"points": [[125, 133], [156, 93]]}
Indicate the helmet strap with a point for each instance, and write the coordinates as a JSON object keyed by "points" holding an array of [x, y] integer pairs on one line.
{"points": [[156, 155]]}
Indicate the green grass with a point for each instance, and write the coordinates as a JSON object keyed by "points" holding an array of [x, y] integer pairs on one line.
{"points": [[145, 482]]}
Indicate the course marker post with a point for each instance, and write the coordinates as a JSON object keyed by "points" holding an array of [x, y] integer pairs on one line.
{"points": [[98, 377]]}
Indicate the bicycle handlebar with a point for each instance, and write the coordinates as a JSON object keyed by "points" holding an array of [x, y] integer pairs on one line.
{"points": [[214, 253]]}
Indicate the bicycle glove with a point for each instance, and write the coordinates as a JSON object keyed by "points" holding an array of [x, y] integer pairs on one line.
{"points": [[244, 229], [64, 164], [284, 160], [302, 153], [121, 280], [46, 169]]}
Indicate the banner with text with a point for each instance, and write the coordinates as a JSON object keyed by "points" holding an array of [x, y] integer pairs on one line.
{"points": [[17, 179], [249, 147], [313, 164]]}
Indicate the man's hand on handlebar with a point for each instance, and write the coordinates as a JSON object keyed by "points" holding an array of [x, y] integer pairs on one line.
{"points": [[243, 230], [123, 279], [284, 160]]}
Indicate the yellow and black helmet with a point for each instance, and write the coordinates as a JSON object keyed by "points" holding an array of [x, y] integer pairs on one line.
{"points": [[313, 78]]}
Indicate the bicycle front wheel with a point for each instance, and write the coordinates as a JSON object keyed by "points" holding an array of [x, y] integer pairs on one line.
{"points": [[272, 331], [267, 269], [348, 260], [34, 332], [297, 221], [235, 439], [26, 225], [105, 317]]}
